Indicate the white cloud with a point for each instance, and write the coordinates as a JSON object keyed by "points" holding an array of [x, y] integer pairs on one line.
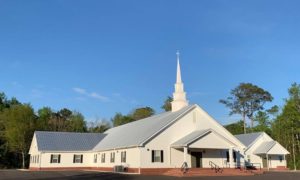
{"points": [[79, 90], [91, 95], [98, 96]]}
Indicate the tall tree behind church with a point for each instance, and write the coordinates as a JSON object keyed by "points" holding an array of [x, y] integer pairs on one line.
{"points": [[167, 104], [246, 99], [136, 114]]}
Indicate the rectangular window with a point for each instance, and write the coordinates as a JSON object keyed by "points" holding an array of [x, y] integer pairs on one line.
{"points": [[103, 158], [157, 156], [55, 158], [234, 156], [227, 156], [112, 157], [280, 158], [77, 158], [123, 156], [38, 159], [95, 158]]}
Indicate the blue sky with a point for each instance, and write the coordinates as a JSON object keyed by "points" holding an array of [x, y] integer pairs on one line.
{"points": [[102, 57]]}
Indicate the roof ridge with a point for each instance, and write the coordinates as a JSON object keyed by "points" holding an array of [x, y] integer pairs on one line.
{"points": [[63, 132], [160, 115]]}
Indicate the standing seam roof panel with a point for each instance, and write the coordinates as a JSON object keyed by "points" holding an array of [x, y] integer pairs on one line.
{"points": [[135, 133], [67, 141]]}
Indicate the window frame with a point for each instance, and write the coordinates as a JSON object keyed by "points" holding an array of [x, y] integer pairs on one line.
{"points": [[77, 158], [234, 155], [55, 158], [103, 158], [157, 156], [227, 157], [95, 158], [123, 157], [280, 157], [112, 157]]}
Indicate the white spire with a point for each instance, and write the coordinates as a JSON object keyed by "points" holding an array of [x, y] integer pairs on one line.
{"points": [[179, 96], [178, 79]]}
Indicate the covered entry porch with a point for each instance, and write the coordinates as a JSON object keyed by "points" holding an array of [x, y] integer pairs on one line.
{"points": [[272, 154], [204, 149]]}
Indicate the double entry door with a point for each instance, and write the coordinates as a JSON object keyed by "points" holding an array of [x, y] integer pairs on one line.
{"points": [[196, 159]]}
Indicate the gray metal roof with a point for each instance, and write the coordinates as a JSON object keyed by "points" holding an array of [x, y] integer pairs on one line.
{"points": [[264, 147], [67, 141], [139, 132], [186, 140], [248, 139]]}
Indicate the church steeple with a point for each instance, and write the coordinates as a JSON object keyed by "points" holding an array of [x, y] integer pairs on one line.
{"points": [[179, 96], [178, 77]]}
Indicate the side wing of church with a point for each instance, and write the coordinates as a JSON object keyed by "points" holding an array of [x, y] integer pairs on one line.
{"points": [[187, 136], [263, 151]]}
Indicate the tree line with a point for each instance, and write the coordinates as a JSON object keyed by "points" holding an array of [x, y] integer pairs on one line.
{"points": [[18, 121], [282, 124]]}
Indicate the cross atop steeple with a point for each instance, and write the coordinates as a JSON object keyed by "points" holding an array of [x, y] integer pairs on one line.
{"points": [[179, 96]]}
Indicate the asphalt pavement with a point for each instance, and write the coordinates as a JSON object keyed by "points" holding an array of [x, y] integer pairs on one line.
{"points": [[91, 175]]}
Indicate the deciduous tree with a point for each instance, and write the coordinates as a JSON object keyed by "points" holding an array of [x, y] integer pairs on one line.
{"points": [[235, 128], [19, 127], [167, 104], [141, 113], [287, 126]]}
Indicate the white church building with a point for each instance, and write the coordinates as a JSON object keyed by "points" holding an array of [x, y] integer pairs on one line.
{"points": [[185, 137]]}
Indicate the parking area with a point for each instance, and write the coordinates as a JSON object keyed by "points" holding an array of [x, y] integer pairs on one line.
{"points": [[73, 175]]}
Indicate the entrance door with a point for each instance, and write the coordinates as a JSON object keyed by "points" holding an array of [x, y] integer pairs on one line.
{"points": [[196, 159], [264, 161]]}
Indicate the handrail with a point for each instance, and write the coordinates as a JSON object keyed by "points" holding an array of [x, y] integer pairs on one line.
{"points": [[248, 165], [215, 167], [254, 165], [184, 167]]}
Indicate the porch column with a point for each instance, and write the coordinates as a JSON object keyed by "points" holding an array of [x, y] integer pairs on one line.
{"points": [[230, 157], [40, 163], [267, 161], [185, 151]]}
